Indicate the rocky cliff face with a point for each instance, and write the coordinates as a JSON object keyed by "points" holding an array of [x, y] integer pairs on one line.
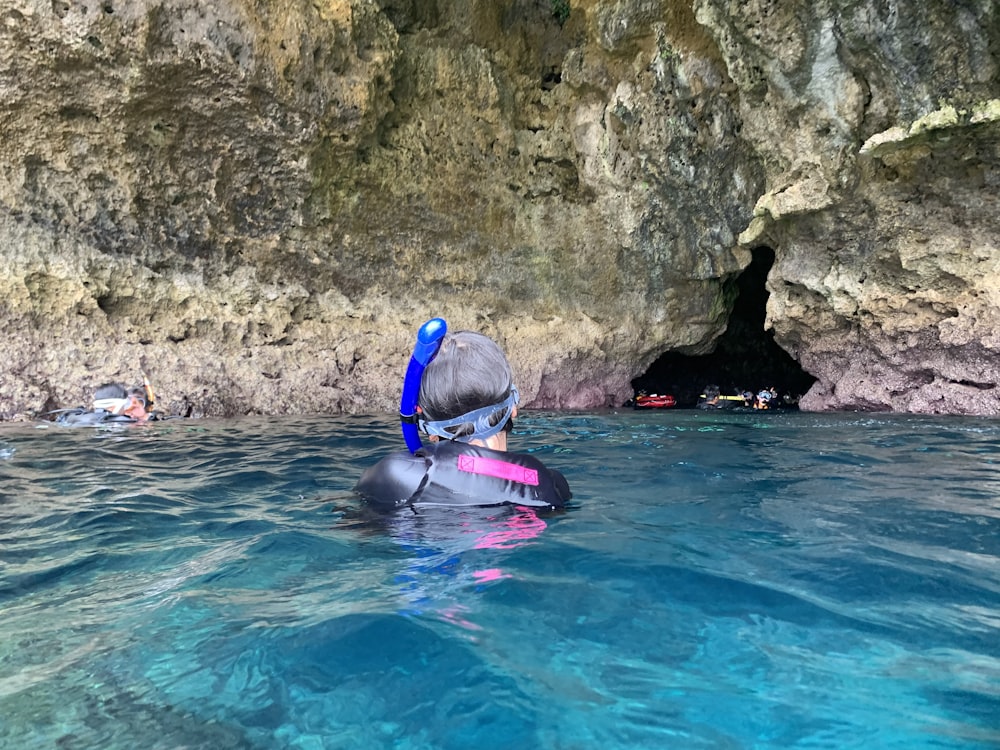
{"points": [[259, 201]]}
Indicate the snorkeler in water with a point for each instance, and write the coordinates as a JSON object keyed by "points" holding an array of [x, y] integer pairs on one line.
{"points": [[114, 403], [459, 391]]}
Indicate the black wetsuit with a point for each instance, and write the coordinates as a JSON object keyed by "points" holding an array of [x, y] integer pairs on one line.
{"points": [[449, 473], [89, 417]]}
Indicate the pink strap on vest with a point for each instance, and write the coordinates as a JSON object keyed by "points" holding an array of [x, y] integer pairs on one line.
{"points": [[491, 467]]}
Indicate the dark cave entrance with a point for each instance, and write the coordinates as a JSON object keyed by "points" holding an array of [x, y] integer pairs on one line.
{"points": [[746, 356]]}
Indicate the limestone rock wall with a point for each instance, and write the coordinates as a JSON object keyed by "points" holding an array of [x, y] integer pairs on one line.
{"points": [[258, 202], [883, 209], [899, 308]]}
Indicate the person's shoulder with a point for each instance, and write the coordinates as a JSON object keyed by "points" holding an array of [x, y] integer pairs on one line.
{"points": [[448, 448], [559, 480], [525, 459], [392, 481], [537, 484], [394, 461], [82, 417], [558, 491]]}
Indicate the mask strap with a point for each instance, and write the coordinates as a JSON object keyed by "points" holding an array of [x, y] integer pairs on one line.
{"points": [[113, 405], [479, 419]]}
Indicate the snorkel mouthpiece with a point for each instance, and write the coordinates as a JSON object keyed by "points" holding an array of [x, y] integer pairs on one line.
{"points": [[428, 342]]}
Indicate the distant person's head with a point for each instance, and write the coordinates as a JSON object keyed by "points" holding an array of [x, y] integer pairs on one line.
{"points": [[467, 392], [116, 399], [110, 391], [712, 393]]}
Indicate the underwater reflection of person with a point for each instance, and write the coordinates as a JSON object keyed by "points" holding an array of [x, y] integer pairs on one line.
{"points": [[448, 553], [466, 406]]}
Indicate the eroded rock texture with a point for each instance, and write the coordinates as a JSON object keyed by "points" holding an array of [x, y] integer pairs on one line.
{"points": [[260, 201]]}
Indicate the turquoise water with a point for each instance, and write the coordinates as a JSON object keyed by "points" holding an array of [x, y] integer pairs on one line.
{"points": [[722, 581]]}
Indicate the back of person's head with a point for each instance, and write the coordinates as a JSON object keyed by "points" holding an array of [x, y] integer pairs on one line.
{"points": [[469, 372], [111, 397], [110, 390], [711, 391]]}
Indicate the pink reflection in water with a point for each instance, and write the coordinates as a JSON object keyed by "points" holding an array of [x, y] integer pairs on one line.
{"points": [[456, 616], [490, 574], [519, 528]]}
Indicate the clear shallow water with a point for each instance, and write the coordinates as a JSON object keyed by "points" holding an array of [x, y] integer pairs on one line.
{"points": [[723, 581]]}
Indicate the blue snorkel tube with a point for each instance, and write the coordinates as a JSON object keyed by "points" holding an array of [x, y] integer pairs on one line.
{"points": [[428, 342]]}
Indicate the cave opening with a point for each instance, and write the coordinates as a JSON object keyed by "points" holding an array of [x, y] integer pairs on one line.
{"points": [[746, 356]]}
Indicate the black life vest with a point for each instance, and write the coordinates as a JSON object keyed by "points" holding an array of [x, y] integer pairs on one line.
{"points": [[80, 417], [89, 417], [448, 473]]}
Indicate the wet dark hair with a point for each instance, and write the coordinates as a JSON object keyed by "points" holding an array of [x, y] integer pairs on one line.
{"points": [[110, 390], [469, 372], [711, 391]]}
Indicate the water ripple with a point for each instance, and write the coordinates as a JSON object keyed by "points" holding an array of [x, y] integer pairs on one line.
{"points": [[721, 581]]}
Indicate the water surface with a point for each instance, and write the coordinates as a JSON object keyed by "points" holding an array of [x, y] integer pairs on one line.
{"points": [[723, 581]]}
